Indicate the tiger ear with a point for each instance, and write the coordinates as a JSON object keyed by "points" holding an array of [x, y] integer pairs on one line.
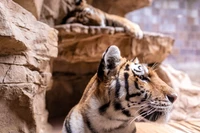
{"points": [[110, 60]]}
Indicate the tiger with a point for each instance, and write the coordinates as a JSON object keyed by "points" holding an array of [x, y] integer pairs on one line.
{"points": [[121, 92], [90, 16]]}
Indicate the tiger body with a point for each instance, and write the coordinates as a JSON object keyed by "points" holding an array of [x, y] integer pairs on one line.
{"points": [[120, 93], [88, 15]]}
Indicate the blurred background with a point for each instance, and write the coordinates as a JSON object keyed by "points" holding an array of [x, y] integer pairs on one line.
{"points": [[181, 20], [45, 63]]}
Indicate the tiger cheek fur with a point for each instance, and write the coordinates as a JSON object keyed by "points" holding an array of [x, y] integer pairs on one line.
{"points": [[120, 93]]}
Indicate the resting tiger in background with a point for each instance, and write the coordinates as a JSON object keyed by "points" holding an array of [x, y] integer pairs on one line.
{"points": [[121, 92], [88, 15]]}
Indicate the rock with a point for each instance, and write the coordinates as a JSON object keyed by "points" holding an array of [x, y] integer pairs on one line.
{"points": [[22, 108], [33, 6], [89, 48], [20, 31], [27, 47], [53, 11], [120, 7], [186, 107]]}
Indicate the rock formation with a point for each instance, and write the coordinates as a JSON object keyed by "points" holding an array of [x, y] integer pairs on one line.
{"points": [[119, 7], [26, 49]]}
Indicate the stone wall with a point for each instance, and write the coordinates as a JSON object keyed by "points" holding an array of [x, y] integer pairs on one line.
{"points": [[181, 20], [26, 49]]}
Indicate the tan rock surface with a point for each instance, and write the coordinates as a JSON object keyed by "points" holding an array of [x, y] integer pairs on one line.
{"points": [[26, 50], [53, 11], [187, 105], [22, 109], [33, 6], [119, 7], [82, 43], [21, 31]]}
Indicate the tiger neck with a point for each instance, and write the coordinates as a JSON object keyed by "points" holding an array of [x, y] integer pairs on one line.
{"points": [[99, 108], [98, 113]]}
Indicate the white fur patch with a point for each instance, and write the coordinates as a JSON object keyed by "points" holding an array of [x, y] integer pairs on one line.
{"points": [[76, 121], [139, 69]]}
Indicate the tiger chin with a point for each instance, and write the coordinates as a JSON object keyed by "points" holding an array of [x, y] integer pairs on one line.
{"points": [[88, 15], [120, 93]]}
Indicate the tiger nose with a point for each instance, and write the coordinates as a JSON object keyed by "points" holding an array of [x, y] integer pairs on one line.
{"points": [[172, 97]]}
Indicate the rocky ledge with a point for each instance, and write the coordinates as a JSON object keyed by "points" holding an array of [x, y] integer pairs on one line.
{"points": [[87, 43]]}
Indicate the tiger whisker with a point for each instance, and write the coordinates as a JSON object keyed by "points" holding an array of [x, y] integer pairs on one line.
{"points": [[140, 115], [154, 66], [136, 106], [148, 113]]}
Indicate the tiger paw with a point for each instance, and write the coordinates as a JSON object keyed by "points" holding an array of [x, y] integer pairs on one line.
{"points": [[134, 30]]}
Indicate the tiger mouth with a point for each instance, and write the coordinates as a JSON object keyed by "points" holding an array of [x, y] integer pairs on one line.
{"points": [[152, 116]]}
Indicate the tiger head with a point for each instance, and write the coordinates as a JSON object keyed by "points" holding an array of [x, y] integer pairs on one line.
{"points": [[133, 89]]}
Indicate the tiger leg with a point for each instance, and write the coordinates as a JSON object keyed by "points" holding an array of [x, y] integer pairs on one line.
{"points": [[130, 27]]}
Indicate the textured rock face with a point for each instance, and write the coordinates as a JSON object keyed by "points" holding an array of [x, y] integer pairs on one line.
{"points": [[119, 7], [18, 32], [33, 6], [76, 44], [187, 104], [80, 50], [26, 49], [53, 11]]}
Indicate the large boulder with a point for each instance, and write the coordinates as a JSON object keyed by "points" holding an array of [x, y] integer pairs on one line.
{"points": [[26, 49], [119, 7]]}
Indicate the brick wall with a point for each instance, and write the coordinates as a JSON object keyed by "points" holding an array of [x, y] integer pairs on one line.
{"points": [[181, 20]]}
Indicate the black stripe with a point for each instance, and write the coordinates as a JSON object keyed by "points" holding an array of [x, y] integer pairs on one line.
{"points": [[126, 75], [145, 97], [117, 86], [127, 68], [100, 72], [67, 125], [133, 73], [136, 70], [136, 85], [117, 106], [90, 126], [126, 112], [135, 94], [104, 107]]}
